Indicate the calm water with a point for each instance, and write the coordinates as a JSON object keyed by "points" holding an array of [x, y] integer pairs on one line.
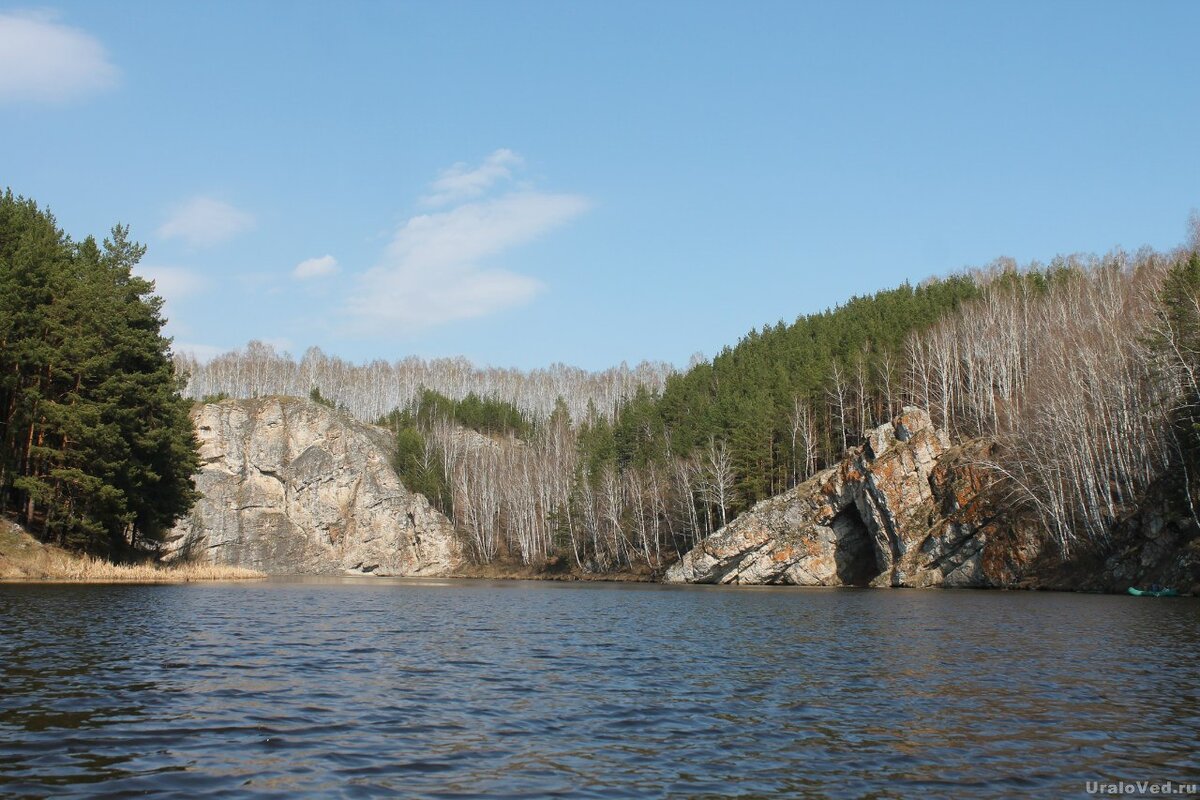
{"points": [[366, 687]]}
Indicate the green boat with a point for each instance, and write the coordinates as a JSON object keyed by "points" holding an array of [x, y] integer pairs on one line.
{"points": [[1153, 592]]}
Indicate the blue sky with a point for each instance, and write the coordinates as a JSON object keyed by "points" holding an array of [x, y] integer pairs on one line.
{"points": [[525, 183]]}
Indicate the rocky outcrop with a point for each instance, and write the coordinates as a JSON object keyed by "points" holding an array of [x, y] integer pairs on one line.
{"points": [[290, 486], [904, 509], [1157, 542]]}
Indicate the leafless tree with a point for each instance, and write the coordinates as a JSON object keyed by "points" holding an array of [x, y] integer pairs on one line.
{"points": [[373, 389], [718, 477], [804, 440], [1057, 368]]}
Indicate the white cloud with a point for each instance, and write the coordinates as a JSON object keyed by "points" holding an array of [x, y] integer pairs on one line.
{"points": [[458, 183], [280, 344], [203, 221], [315, 268], [432, 271], [173, 283], [201, 352], [45, 61], [207, 352]]}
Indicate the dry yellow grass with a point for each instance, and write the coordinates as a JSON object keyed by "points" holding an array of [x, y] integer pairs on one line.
{"points": [[23, 558]]}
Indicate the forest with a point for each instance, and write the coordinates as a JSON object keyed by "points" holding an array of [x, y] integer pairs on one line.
{"points": [[1085, 371], [1082, 369], [371, 390], [96, 446]]}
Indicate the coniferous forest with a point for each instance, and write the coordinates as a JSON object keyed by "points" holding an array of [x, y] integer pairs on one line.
{"points": [[97, 447]]}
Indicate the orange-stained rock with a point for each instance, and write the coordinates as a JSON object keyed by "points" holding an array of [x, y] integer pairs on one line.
{"points": [[903, 509]]}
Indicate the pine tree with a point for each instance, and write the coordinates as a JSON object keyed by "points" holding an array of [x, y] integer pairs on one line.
{"points": [[98, 448]]}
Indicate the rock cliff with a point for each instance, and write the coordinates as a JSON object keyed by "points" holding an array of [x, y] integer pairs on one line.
{"points": [[290, 486], [903, 509], [1158, 542]]}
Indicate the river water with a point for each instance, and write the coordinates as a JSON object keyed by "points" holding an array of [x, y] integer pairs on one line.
{"points": [[380, 687]]}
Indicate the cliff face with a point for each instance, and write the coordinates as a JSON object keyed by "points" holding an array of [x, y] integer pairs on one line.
{"points": [[290, 486], [901, 510]]}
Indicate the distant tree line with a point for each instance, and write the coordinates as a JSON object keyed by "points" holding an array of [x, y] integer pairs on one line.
{"points": [[96, 446], [371, 390]]}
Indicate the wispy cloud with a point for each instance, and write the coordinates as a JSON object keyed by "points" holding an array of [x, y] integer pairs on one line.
{"points": [[201, 352], [203, 222], [460, 182], [42, 60], [207, 352], [315, 268], [173, 283], [432, 272]]}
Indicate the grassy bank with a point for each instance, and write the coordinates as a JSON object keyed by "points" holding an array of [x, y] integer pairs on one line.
{"points": [[23, 558], [556, 569]]}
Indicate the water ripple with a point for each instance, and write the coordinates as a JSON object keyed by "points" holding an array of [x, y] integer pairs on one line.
{"points": [[360, 688]]}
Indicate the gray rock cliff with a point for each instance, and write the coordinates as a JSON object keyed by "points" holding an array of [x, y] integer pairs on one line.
{"points": [[289, 486]]}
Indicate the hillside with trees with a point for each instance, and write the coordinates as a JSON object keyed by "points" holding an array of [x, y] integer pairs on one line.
{"points": [[96, 446], [1082, 371]]}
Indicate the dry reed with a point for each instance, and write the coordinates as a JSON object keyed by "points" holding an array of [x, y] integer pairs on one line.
{"points": [[23, 558]]}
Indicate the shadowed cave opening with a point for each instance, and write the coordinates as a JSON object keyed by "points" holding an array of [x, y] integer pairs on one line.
{"points": [[855, 551]]}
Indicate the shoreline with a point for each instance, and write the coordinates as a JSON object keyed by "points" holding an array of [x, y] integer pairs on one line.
{"points": [[515, 576], [24, 559], [623, 578], [520, 572]]}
